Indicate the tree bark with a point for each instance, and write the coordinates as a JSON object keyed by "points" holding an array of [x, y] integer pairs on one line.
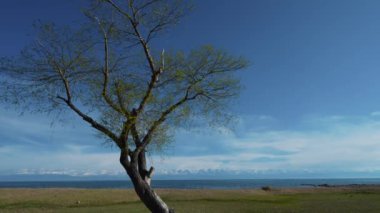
{"points": [[145, 192], [144, 172], [142, 164]]}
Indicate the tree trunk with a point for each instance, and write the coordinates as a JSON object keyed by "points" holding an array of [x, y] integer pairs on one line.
{"points": [[145, 192], [144, 173]]}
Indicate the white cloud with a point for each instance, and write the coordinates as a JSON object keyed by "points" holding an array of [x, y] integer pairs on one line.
{"points": [[350, 144], [328, 143], [70, 161]]}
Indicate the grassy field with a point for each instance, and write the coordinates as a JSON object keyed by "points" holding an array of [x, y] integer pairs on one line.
{"points": [[362, 199]]}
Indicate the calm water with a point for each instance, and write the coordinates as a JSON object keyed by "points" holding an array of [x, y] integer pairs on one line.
{"points": [[190, 184]]}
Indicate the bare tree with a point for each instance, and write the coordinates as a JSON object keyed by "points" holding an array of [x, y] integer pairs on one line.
{"points": [[106, 73]]}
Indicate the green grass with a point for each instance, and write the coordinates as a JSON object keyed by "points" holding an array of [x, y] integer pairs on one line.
{"points": [[210, 201]]}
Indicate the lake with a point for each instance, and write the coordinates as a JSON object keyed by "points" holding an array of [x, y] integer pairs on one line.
{"points": [[190, 184]]}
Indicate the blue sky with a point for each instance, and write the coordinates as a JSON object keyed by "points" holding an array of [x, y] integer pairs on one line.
{"points": [[310, 105]]}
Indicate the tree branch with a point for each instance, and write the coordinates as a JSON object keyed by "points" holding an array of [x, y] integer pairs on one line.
{"points": [[106, 72], [68, 99], [155, 72], [135, 135], [134, 24], [124, 158], [85, 117], [146, 140], [91, 121]]}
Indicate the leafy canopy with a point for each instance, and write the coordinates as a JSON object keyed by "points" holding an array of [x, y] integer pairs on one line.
{"points": [[106, 72]]}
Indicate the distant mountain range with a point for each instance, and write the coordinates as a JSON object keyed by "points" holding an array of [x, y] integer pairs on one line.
{"points": [[191, 175]]}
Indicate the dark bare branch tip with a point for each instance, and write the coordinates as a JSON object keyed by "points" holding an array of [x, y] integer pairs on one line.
{"points": [[150, 172]]}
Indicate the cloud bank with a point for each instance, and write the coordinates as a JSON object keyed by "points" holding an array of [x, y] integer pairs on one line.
{"points": [[332, 146]]}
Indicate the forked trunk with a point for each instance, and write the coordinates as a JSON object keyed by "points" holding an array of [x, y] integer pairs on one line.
{"points": [[145, 192]]}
